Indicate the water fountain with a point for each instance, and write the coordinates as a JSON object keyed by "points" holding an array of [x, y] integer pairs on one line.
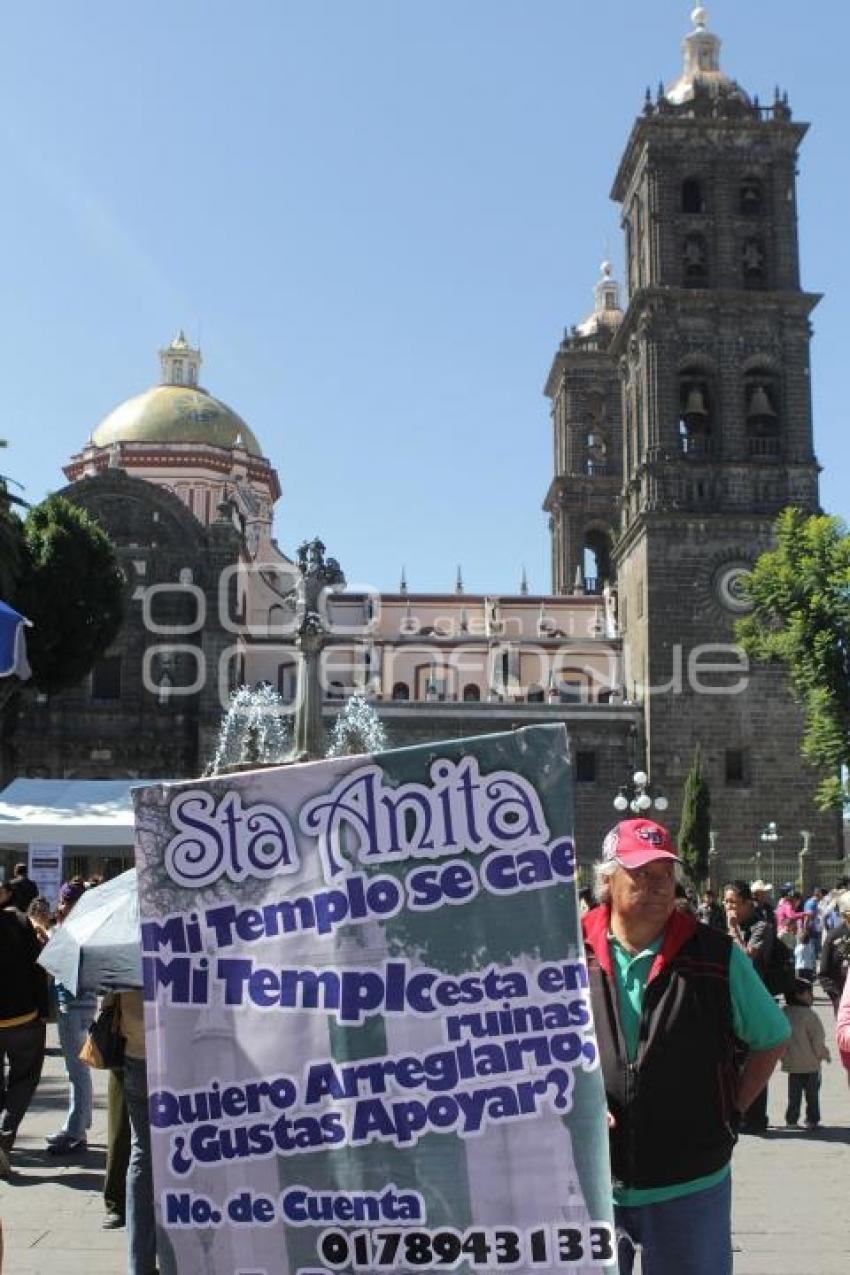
{"points": [[358, 729], [256, 730]]}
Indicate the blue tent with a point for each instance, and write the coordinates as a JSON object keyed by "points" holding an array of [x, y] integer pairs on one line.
{"points": [[13, 650]]}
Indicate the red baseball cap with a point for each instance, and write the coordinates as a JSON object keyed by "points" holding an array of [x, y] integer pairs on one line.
{"points": [[635, 842]]}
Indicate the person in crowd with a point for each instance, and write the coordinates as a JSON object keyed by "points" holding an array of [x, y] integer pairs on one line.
{"points": [[752, 934], [23, 889], [761, 892], [75, 1013], [805, 952], [672, 999], [842, 1028], [23, 1016], [802, 1060], [141, 1230], [746, 926], [794, 916], [40, 918], [830, 909], [685, 900], [710, 912], [812, 909], [787, 933], [117, 1152], [835, 954], [787, 906]]}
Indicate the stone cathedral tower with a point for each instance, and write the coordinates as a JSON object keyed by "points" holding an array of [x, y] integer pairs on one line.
{"points": [[583, 496], [712, 362]]}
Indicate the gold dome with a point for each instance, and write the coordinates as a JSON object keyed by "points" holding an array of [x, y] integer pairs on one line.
{"points": [[175, 414]]}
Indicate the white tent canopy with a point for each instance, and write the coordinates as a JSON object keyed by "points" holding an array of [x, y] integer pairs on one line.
{"points": [[67, 812]]}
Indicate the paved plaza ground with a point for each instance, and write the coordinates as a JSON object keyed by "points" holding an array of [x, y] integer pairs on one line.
{"points": [[791, 1189]]}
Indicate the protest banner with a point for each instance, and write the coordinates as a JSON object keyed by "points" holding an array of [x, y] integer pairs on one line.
{"points": [[369, 1040]]}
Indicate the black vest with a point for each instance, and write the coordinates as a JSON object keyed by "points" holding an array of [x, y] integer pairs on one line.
{"points": [[674, 1106]]}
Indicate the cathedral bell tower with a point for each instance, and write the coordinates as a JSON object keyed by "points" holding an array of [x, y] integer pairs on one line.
{"points": [[582, 498], [713, 362]]}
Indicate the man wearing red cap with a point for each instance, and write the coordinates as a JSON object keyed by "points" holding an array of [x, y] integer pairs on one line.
{"points": [[672, 1001]]}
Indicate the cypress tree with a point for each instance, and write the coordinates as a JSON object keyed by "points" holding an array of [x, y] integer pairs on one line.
{"points": [[695, 826]]}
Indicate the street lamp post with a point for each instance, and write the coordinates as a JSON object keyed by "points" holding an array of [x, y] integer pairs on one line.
{"points": [[639, 796], [769, 836]]}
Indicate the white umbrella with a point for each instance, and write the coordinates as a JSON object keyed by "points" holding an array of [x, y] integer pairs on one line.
{"points": [[99, 946]]}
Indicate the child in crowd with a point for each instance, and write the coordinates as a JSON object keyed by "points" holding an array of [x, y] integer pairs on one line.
{"points": [[806, 1051], [805, 951], [787, 933]]}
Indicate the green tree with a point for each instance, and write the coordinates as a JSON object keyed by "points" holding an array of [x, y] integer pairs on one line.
{"points": [[10, 537], [695, 825], [71, 588], [801, 618]]}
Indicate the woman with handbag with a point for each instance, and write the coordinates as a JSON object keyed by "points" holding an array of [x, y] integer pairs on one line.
{"points": [[141, 1224], [104, 1050], [75, 1014]]}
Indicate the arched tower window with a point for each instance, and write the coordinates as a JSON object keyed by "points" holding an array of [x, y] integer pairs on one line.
{"points": [[762, 412], [630, 268], [696, 409], [753, 263], [595, 453], [637, 256], [401, 691], [596, 563], [595, 436], [693, 200], [471, 693], [750, 197], [694, 261]]}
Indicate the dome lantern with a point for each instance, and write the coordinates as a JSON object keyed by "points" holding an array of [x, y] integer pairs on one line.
{"points": [[607, 313], [180, 362], [701, 70]]}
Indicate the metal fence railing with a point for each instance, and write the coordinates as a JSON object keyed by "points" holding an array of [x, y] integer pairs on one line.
{"points": [[803, 870]]}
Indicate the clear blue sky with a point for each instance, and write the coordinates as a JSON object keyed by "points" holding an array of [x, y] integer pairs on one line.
{"points": [[378, 216]]}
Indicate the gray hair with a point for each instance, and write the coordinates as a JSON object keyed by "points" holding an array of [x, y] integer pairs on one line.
{"points": [[844, 903], [604, 869]]}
